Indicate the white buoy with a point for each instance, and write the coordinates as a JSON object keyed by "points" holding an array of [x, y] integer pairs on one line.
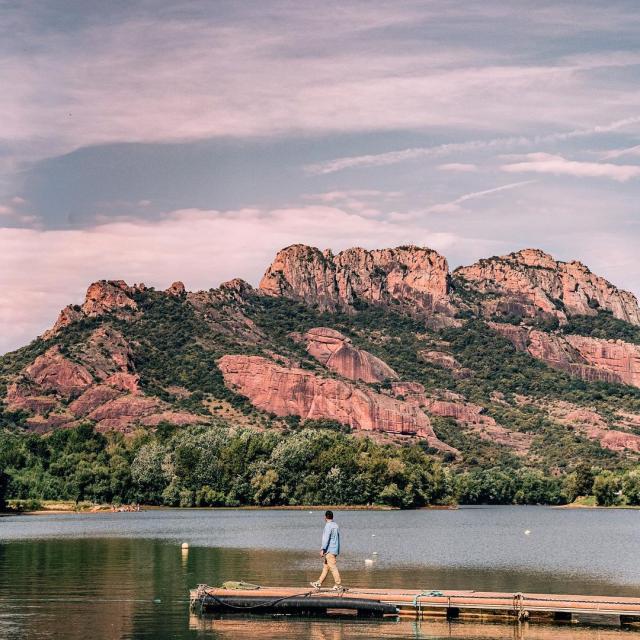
{"points": [[368, 561], [373, 535], [375, 553], [185, 545], [527, 532]]}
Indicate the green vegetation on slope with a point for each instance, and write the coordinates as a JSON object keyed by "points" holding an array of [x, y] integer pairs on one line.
{"points": [[175, 345], [499, 367], [603, 325]]}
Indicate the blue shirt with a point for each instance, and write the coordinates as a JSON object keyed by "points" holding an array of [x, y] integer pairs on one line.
{"points": [[331, 538]]}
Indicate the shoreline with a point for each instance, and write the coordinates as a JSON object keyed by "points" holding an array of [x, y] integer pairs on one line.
{"points": [[61, 508], [102, 509]]}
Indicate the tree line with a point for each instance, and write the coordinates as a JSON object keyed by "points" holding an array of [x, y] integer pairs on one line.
{"points": [[216, 465]]}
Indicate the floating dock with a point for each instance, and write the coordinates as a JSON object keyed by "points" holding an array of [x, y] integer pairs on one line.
{"points": [[417, 604]]}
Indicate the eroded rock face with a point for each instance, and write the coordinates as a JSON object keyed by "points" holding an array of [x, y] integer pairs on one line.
{"points": [[104, 296], [592, 359], [176, 289], [290, 391], [20, 395], [468, 415], [92, 398], [53, 372], [68, 315], [411, 276], [619, 358], [222, 308], [125, 406], [99, 382], [530, 282], [336, 352]]}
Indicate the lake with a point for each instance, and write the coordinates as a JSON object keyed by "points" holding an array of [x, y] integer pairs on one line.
{"points": [[124, 575]]}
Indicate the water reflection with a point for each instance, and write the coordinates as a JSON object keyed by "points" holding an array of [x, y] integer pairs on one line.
{"points": [[270, 629], [126, 576]]}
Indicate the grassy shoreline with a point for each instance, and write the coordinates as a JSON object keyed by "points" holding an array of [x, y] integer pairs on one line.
{"points": [[52, 507]]}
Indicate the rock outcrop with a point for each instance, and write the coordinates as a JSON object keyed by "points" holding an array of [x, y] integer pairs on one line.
{"points": [[94, 382], [592, 359], [104, 296], [531, 283], [468, 415], [591, 425], [336, 352], [411, 276], [53, 372], [69, 315], [618, 358], [291, 391], [447, 361], [223, 310], [107, 296], [176, 289]]}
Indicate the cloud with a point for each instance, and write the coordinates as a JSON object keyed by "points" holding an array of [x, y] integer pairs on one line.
{"points": [[557, 165], [335, 196], [461, 167], [189, 72], [454, 205], [43, 270], [362, 202], [402, 155], [618, 153]]}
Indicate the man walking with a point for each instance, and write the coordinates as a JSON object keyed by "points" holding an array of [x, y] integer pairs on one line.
{"points": [[329, 552]]}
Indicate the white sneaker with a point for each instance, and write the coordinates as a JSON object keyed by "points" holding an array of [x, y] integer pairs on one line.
{"points": [[315, 585], [337, 587]]}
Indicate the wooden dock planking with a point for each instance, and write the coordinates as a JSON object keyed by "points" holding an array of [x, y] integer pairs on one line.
{"points": [[470, 604]]}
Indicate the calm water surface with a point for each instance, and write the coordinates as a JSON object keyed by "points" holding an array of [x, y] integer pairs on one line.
{"points": [[124, 575]]}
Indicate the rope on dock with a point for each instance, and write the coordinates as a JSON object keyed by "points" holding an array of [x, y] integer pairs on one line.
{"points": [[203, 593]]}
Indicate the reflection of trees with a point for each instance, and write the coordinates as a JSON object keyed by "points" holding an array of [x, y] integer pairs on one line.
{"points": [[106, 588], [77, 589], [234, 628]]}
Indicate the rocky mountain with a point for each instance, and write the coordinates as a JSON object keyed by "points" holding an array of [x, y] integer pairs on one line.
{"points": [[516, 361], [530, 283], [412, 277]]}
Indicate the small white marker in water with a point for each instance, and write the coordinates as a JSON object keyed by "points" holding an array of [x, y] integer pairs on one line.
{"points": [[375, 553], [368, 561], [185, 545], [527, 532], [373, 535]]}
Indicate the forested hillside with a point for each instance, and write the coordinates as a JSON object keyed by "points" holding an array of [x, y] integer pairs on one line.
{"points": [[361, 378]]}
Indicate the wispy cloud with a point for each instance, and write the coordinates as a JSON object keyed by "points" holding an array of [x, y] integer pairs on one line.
{"points": [[557, 165], [619, 153], [285, 68], [458, 167], [402, 155], [454, 205]]}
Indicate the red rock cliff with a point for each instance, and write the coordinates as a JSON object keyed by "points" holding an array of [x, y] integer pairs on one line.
{"points": [[413, 276], [591, 359], [336, 352], [290, 391], [531, 282], [104, 296]]}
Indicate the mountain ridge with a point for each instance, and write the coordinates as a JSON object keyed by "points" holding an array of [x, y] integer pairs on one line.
{"points": [[518, 361]]}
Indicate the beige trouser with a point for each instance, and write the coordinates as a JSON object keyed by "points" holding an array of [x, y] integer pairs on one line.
{"points": [[330, 565]]}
